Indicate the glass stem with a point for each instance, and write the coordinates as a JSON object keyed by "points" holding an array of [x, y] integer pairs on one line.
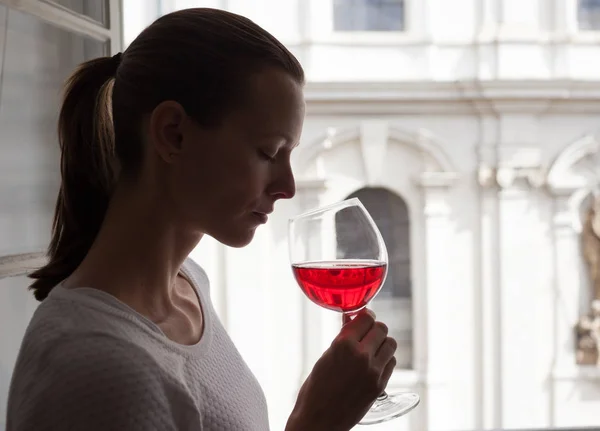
{"points": [[347, 317], [383, 396]]}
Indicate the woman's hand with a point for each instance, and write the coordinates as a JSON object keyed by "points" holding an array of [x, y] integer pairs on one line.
{"points": [[347, 379]]}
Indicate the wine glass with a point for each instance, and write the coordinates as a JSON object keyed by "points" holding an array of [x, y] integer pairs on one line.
{"points": [[340, 261]]}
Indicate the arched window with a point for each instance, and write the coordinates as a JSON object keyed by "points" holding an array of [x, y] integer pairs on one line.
{"points": [[368, 15], [393, 304], [588, 15]]}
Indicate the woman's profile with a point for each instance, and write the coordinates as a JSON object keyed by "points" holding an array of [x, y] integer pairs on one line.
{"points": [[187, 133]]}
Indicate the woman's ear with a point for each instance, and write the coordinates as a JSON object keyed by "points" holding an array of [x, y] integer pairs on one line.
{"points": [[165, 129]]}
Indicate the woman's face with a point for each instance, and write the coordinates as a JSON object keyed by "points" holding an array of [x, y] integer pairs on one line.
{"points": [[225, 181]]}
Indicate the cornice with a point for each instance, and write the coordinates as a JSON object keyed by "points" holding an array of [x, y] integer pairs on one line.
{"points": [[457, 97]]}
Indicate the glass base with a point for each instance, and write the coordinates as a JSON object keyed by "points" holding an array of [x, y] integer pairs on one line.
{"points": [[390, 406]]}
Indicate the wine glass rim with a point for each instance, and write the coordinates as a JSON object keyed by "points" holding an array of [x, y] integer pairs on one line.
{"points": [[339, 204]]}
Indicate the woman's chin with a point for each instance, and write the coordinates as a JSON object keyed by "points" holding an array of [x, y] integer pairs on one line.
{"points": [[236, 239]]}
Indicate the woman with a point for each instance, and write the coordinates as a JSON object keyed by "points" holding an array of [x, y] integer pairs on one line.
{"points": [[188, 133]]}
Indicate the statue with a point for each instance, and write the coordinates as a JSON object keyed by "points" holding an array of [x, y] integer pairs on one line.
{"points": [[591, 245], [587, 330]]}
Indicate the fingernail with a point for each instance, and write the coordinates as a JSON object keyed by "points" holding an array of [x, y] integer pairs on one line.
{"points": [[372, 313]]}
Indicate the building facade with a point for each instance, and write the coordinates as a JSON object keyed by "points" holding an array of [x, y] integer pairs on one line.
{"points": [[468, 129]]}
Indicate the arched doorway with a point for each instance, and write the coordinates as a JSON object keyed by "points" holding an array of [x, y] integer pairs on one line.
{"points": [[393, 304]]}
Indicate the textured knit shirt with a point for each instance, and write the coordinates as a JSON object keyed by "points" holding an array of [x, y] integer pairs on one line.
{"points": [[90, 362]]}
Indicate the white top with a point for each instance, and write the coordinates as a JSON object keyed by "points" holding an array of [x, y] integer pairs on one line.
{"points": [[90, 362]]}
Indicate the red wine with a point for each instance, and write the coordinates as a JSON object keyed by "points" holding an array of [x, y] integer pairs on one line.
{"points": [[345, 285]]}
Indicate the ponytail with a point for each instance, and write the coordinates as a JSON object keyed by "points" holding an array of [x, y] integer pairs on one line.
{"points": [[88, 170]]}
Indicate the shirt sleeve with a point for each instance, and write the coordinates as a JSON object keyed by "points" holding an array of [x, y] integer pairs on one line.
{"points": [[93, 383]]}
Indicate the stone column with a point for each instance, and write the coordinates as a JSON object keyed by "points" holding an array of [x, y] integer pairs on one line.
{"points": [[488, 309], [525, 290], [439, 334]]}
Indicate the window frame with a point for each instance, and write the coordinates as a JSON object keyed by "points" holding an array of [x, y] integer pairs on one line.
{"points": [[105, 22], [567, 29], [25, 261], [321, 31]]}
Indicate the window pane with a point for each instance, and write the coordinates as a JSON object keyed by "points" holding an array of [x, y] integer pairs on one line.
{"points": [[391, 17], [343, 15], [37, 59], [368, 15], [94, 9], [589, 14]]}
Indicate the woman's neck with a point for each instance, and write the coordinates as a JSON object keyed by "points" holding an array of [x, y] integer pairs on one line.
{"points": [[137, 253]]}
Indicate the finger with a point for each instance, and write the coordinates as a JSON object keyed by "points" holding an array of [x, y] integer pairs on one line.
{"points": [[358, 327], [386, 351], [387, 373], [375, 337]]}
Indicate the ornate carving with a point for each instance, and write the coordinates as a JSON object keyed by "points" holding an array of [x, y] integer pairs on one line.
{"points": [[531, 177], [486, 176], [506, 177]]}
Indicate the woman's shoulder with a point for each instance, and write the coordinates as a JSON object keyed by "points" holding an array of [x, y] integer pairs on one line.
{"points": [[72, 377], [197, 274], [192, 267], [63, 346], [87, 382], [69, 338]]}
